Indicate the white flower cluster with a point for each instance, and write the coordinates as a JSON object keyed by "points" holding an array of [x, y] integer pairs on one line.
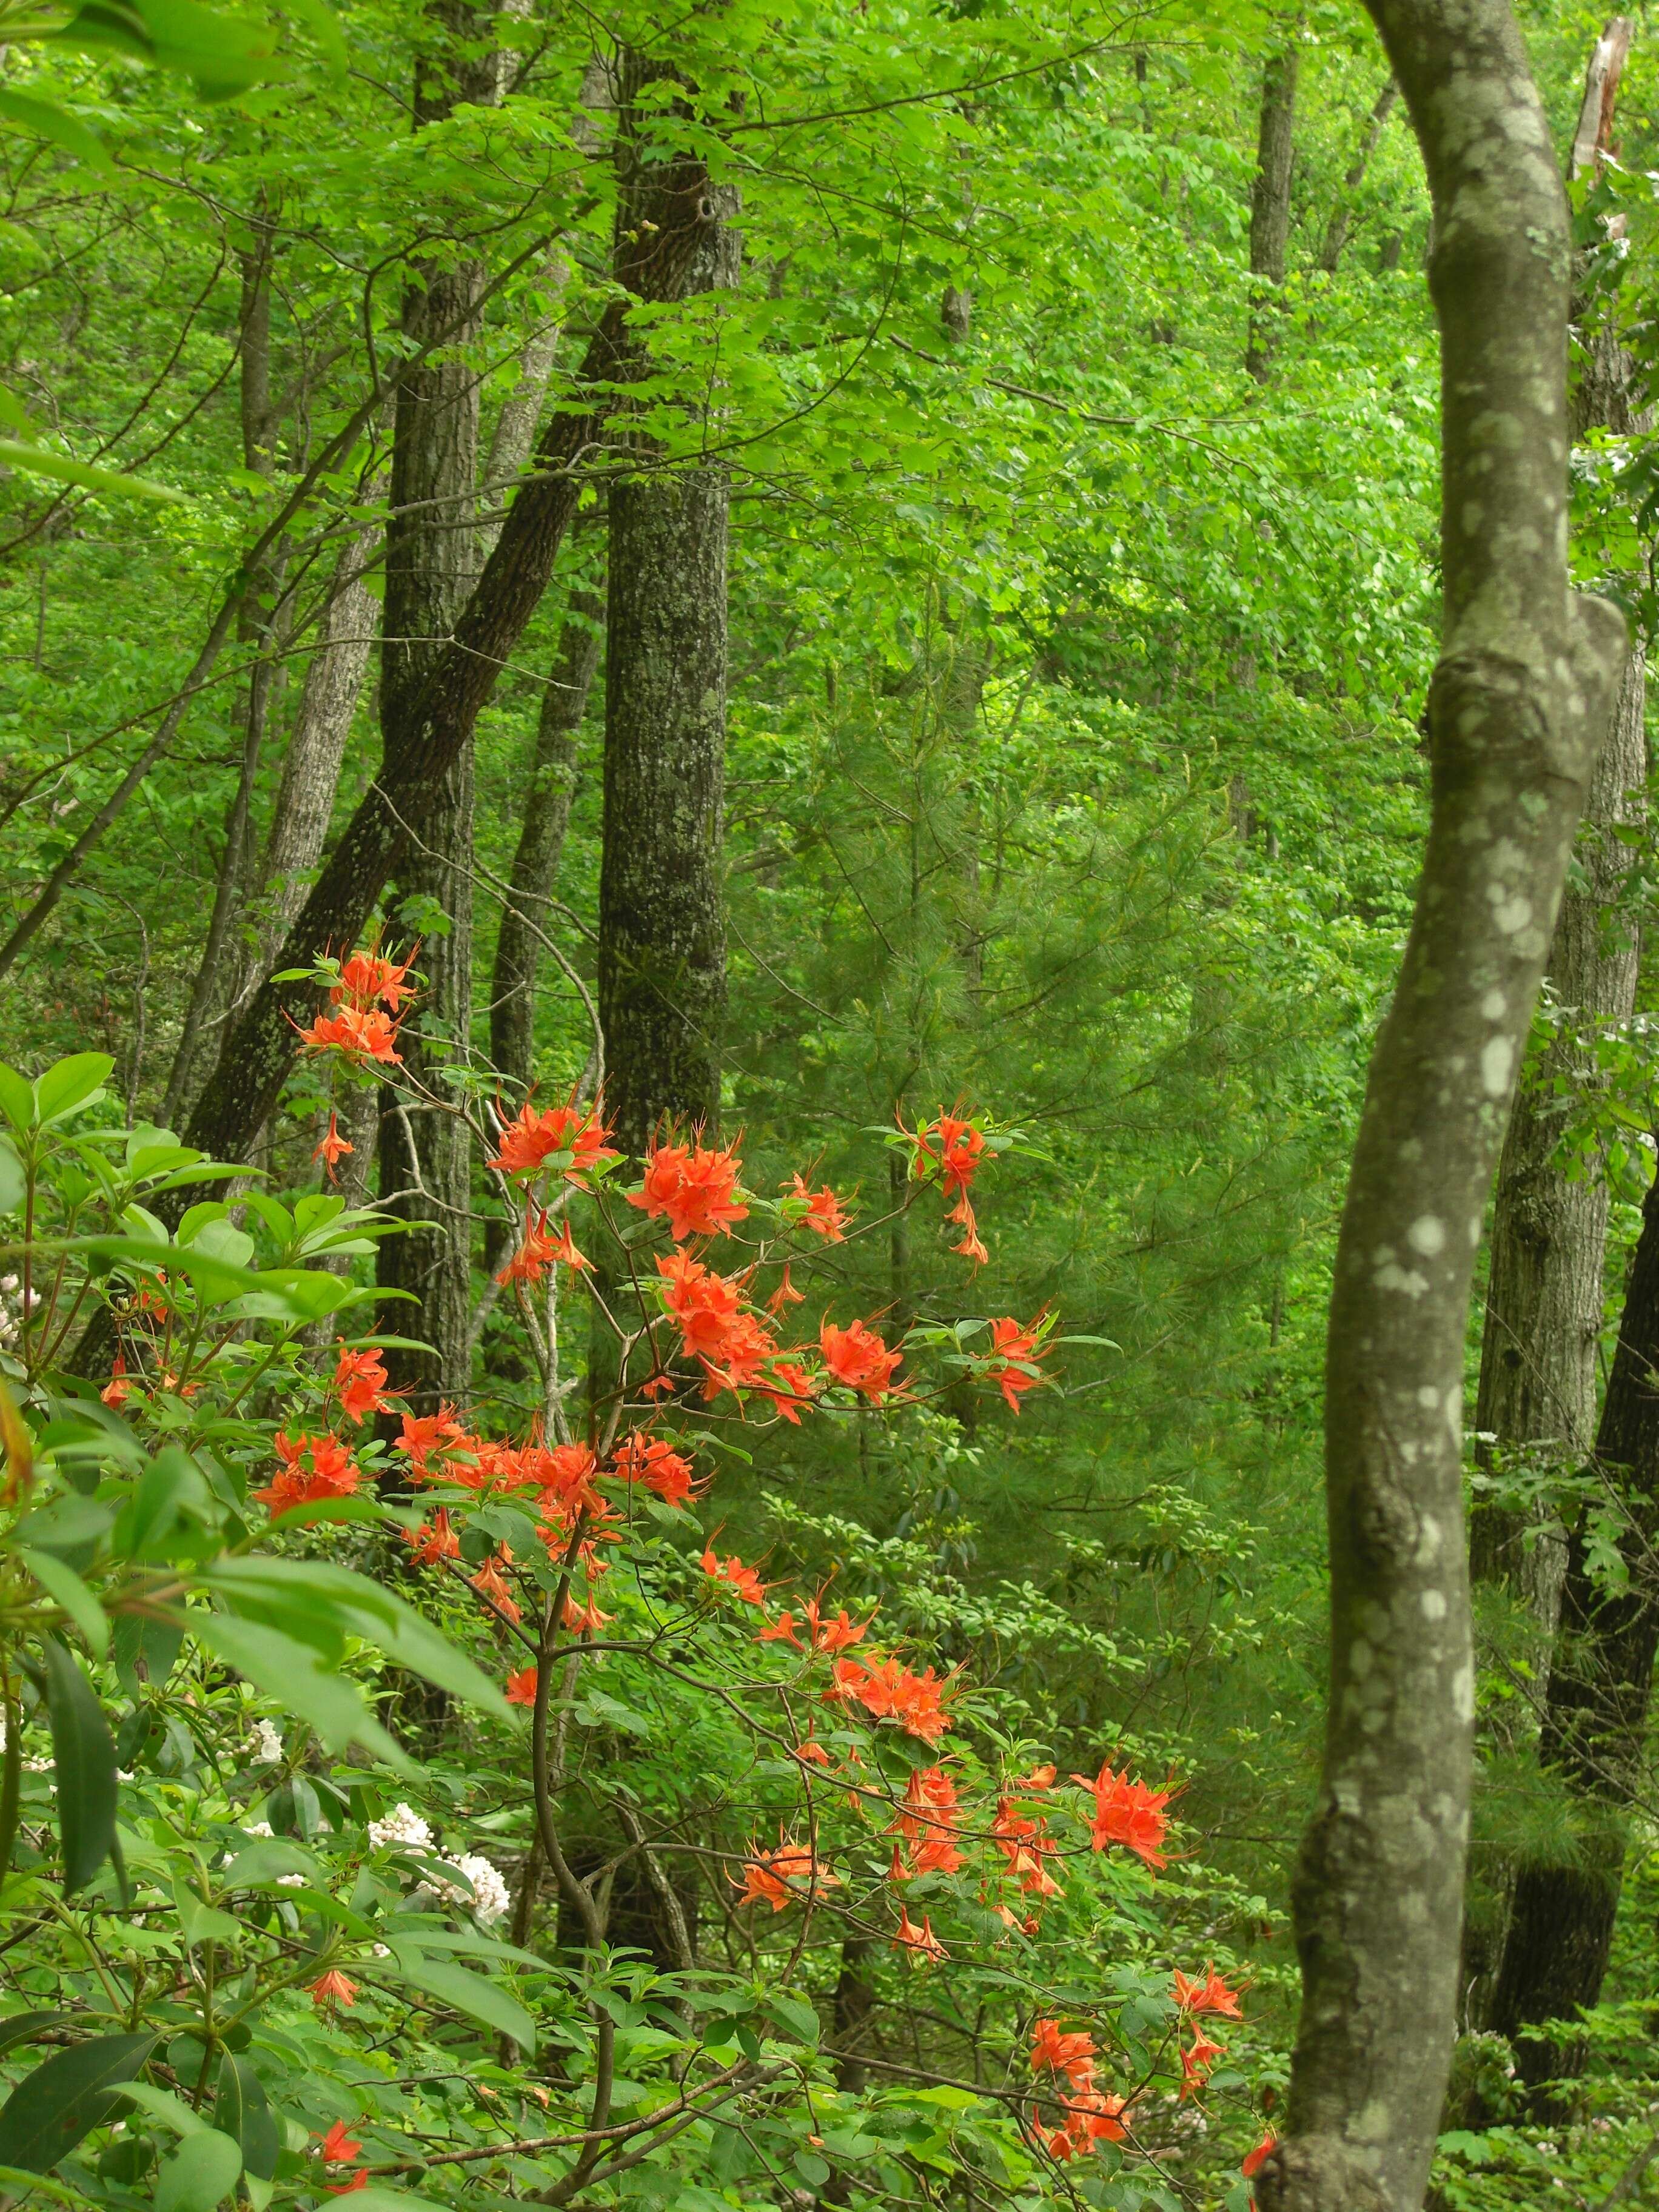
{"points": [[10, 1320], [402, 1825], [267, 1744], [487, 1897]]}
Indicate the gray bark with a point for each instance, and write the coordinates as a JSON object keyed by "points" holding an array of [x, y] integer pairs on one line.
{"points": [[662, 934], [1518, 707], [1270, 208]]}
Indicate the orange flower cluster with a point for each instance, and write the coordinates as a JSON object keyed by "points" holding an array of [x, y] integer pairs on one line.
{"points": [[1014, 1357], [949, 1150], [1024, 1844], [333, 1147], [928, 1826], [314, 1469], [837, 1635], [642, 1458], [824, 1214], [540, 1250], [856, 1356], [1129, 1814], [1192, 1999], [1089, 2116], [337, 2148], [785, 1876], [746, 1581], [363, 1026], [532, 1141], [433, 1542], [923, 1946], [360, 1384], [694, 1186], [889, 1691]]}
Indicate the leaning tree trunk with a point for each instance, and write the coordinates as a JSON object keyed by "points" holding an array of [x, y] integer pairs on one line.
{"points": [[1595, 1726], [1516, 709], [1336, 230], [1270, 209], [662, 934]]}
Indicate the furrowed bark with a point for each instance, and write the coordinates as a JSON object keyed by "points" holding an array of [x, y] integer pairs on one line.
{"points": [[662, 931], [1516, 709], [1594, 1724], [431, 560], [1270, 208], [652, 262]]}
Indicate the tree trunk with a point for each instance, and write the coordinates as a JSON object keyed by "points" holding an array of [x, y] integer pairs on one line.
{"points": [[1517, 710], [662, 932], [1538, 1371], [1270, 208], [1595, 1726], [652, 259], [1336, 230], [426, 1159]]}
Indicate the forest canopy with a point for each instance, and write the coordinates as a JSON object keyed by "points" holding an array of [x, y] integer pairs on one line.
{"points": [[827, 1132]]}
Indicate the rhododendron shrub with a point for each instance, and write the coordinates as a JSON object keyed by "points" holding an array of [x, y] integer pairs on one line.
{"points": [[703, 1883]]}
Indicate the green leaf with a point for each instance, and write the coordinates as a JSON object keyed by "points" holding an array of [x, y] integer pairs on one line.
{"points": [[202, 1922], [70, 1084], [83, 1756], [16, 1099], [72, 1594], [199, 2173], [361, 1608], [13, 1186], [162, 2105], [64, 1525], [47, 120], [23, 2027], [51, 2109], [465, 1992], [242, 2111], [266, 1859], [287, 1669]]}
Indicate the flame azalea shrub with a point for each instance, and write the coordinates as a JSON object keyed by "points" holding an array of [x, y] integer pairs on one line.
{"points": [[711, 1891]]}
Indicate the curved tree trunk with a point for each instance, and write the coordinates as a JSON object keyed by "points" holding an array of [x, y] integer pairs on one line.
{"points": [[1519, 701]]}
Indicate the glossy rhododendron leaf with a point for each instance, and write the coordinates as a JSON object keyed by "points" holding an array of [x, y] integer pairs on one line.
{"points": [[51, 2109], [83, 1761]]}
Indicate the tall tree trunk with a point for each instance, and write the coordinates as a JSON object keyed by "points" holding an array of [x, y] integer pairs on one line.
{"points": [[1336, 230], [1544, 1302], [536, 859], [1518, 707], [1595, 1726], [662, 932], [652, 259], [1270, 208], [426, 1159]]}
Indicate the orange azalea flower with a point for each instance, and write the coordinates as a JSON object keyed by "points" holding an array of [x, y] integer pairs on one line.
{"points": [[856, 1356], [1129, 1814], [1196, 2062], [521, 1687], [920, 1942], [1015, 1351], [777, 1875], [780, 1631], [1040, 1777], [694, 1186], [812, 1753], [952, 1149], [360, 1380], [118, 1390], [1255, 2159], [1061, 2050], [358, 2180], [1091, 2118], [837, 1635], [425, 1435], [436, 1540], [337, 2148], [531, 1139], [333, 1147], [789, 1386], [785, 1294], [972, 1246], [890, 1692], [640, 1458], [360, 1037], [367, 978], [825, 1216], [333, 1988], [707, 1306], [746, 1581], [583, 1620], [926, 1822], [565, 1479], [540, 1251], [491, 1584], [1211, 1994], [331, 1473]]}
